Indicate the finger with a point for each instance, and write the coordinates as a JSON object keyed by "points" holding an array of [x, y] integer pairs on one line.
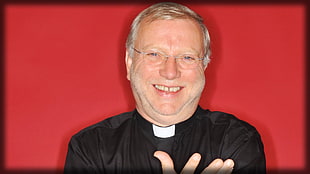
{"points": [[166, 162], [191, 164], [227, 167], [213, 167]]}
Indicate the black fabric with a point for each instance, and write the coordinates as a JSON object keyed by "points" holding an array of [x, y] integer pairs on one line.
{"points": [[126, 143]]}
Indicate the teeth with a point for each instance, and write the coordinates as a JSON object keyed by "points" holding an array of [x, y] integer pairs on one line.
{"points": [[167, 89]]}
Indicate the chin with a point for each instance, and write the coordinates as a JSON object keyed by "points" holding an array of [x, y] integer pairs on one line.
{"points": [[164, 113], [168, 111]]}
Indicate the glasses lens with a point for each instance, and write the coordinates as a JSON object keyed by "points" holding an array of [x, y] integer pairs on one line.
{"points": [[156, 58], [188, 61], [153, 57]]}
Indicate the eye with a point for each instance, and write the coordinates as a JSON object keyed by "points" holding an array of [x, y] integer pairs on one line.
{"points": [[153, 54], [188, 58]]}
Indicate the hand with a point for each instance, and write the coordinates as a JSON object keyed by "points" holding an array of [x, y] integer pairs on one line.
{"points": [[217, 166]]}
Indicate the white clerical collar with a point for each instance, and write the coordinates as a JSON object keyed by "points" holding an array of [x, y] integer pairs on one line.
{"points": [[164, 132]]}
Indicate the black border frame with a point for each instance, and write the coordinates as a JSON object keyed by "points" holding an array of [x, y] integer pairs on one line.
{"points": [[3, 3]]}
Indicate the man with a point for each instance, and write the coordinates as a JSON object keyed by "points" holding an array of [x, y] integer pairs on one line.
{"points": [[168, 49]]}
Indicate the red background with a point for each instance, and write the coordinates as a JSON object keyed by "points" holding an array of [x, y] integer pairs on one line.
{"points": [[65, 70]]}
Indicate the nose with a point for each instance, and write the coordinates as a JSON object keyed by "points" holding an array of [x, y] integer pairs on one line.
{"points": [[169, 69]]}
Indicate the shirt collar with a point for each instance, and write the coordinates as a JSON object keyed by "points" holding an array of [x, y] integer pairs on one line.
{"points": [[165, 132]]}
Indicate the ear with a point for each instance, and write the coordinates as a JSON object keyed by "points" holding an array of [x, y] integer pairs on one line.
{"points": [[128, 61], [205, 67]]}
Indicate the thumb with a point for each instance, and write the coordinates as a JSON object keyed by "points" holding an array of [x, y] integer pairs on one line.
{"points": [[166, 162]]}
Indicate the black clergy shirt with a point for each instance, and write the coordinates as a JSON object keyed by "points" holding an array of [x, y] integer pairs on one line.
{"points": [[126, 144]]}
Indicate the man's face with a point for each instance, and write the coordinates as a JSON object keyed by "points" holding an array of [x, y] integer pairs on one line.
{"points": [[166, 94]]}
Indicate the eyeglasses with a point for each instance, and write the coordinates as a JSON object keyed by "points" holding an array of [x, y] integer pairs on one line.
{"points": [[186, 61]]}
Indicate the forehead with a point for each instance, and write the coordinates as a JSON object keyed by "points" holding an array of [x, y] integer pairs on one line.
{"points": [[171, 33], [148, 25]]}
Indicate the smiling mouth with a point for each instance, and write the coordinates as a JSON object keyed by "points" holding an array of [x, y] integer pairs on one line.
{"points": [[168, 89]]}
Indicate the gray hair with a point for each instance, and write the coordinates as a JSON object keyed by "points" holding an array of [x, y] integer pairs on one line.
{"points": [[168, 11]]}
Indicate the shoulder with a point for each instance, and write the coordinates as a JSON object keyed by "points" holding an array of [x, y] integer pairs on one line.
{"points": [[227, 121], [104, 127], [229, 131], [233, 138]]}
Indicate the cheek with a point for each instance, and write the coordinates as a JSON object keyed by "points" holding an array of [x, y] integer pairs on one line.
{"points": [[144, 70], [195, 83], [142, 73], [195, 76]]}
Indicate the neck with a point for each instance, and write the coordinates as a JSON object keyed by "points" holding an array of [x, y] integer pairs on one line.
{"points": [[167, 120]]}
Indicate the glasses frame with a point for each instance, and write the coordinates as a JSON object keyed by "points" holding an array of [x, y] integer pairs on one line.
{"points": [[167, 56]]}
